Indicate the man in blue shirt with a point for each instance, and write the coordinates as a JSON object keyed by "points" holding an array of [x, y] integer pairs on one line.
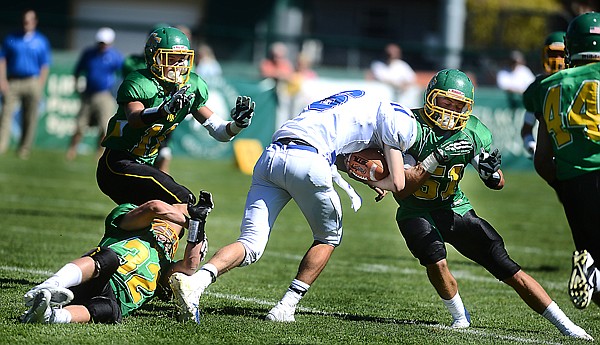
{"points": [[24, 63], [100, 65]]}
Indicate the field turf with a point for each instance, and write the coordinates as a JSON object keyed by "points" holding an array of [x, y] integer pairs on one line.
{"points": [[372, 291]]}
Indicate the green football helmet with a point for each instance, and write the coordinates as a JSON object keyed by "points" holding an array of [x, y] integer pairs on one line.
{"points": [[553, 53], [168, 55], [453, 84], [582, 40]]}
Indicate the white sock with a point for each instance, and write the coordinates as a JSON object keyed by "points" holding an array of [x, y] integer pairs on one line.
{"points": [[294, 293], [69, 275], [206, 275], [456, 307], [61, 316], [554, 314]]}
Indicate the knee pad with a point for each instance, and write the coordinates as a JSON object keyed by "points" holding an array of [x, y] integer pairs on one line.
{"points": [[251, 256], [104, 310], [107, 262]]}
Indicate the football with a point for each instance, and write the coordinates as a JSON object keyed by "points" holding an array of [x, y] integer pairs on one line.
{"points": [[367, 165]]}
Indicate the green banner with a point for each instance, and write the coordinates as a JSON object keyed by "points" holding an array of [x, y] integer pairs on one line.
{"points": [[61, 104]]}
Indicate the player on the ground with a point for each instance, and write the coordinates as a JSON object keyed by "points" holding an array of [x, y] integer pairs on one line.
{"points": [[553, 59], [299, 165], [131, 264], [152, 103], [568, 149], [439, 212]]}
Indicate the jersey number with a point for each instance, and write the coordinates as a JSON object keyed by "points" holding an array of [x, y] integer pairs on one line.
{"points": [[582, 113], [140, 274], [150, 142], [433, 189]]}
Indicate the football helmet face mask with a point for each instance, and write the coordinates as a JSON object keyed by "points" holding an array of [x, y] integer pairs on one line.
{"points": [[456, 87], [582, 39], [553, 53], [168, 55]]}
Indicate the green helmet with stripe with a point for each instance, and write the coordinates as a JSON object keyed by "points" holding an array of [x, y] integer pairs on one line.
{"points": [[168, 55], [553, 53], [582, 40], [454, 84]]}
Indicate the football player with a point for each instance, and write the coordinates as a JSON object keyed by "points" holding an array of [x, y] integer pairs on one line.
{"points": [[152, 103], [299, 165], [568, 148], [553, 60], [438, 212], [130, 265]]}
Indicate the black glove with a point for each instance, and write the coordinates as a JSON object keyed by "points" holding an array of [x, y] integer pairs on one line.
{"points": [[198, 213], [450, 148], [177, 100], [488, 164], [243, 111]]}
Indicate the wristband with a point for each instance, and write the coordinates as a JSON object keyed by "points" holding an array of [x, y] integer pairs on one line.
{"points": [[430, 163], [150, 115], [234, 128], [196, 227]]}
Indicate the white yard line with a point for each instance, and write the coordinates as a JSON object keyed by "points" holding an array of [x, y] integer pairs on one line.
{"points": [[258, 301]]}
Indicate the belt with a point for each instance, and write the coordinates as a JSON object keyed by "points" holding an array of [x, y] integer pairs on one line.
{"points": [[294, 143]]}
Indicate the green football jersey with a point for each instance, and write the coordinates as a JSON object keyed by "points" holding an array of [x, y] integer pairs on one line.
{"points": [[142, 86], [141, 259], [570, 101], [529, 99], [442, 190]]}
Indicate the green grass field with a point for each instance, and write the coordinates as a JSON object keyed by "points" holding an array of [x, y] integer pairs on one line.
{"points": [[372, 291]]}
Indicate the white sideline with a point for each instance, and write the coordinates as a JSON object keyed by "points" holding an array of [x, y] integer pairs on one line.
{"points": [[321, 312]]}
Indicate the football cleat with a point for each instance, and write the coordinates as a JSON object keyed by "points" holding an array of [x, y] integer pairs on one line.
{"points": [[577, 332], [40, 311], [462, 322], [281, 313], [59, 296], [581, 287], [187, 294]]}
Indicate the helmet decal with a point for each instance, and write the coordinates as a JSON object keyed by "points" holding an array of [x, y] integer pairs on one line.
{"points": [[455, 85], [168, 55]]}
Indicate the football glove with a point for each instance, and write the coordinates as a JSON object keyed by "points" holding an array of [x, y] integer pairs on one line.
{"points": [[243, 111], [449, 149], [489, 164], [177, 100], [198, 213]]}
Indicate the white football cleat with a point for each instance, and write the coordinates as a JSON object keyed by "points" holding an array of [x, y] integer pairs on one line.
{"points": [[462, 322], [578, 333], [281, 313], [59, 296], [40, 311], [581, 283], [187, 292]]}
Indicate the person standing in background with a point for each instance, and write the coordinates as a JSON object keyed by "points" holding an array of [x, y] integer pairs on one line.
{"points": [[25, 58], [100, 65], [515, 78], [393, 71]]}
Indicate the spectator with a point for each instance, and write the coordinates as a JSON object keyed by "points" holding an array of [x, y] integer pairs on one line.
{"points": [[515, 78], [302, 73], [208, 67], [277, 65], [100, 64], [24, 63], [393, 71]]}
